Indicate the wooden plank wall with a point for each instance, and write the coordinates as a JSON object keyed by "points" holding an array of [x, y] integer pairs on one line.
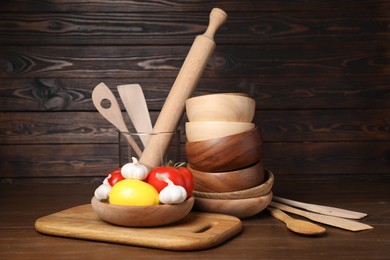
{"points": [[319, 71]]}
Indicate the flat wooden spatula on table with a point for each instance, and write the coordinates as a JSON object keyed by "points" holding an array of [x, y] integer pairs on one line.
{"points": [[343, 223], [325, 210]]}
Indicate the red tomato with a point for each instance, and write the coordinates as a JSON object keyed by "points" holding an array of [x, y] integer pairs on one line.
{"points": [[172, 173], [114, 176], [178, 176], [188, 178]]}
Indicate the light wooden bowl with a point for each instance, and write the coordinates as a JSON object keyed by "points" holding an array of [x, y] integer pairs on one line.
{"points": [[200, 131], [141, 216], [228, 181], [241, 208], [227, 153], [231, 107], [257, 191]]}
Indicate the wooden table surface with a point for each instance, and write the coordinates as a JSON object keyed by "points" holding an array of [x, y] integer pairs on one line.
{"points": [[262, 237]]}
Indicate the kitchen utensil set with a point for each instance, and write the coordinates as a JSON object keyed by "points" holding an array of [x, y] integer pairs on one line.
{"points": [[112, 112], [173, 109], [331, 216]]}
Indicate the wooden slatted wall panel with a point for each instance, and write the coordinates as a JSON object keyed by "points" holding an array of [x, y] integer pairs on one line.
{"points": [[319, 72]]}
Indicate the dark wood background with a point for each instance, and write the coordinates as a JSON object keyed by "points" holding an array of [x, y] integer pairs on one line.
{"points": [[319, 71]]}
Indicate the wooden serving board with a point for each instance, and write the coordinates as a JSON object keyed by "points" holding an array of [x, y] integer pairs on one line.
{"points": [[196, 231]]}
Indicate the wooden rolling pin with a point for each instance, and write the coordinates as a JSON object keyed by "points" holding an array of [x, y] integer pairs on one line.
{"points": [[183, 87]]}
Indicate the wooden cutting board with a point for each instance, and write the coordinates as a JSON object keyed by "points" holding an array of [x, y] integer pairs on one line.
{"points": [[196, 231]]}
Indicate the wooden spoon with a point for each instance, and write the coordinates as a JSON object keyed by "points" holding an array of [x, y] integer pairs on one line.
{"points": [[134, 101], [296, 225], [113, 113]]}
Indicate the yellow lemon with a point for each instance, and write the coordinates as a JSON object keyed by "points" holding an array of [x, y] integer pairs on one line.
{"points": [[131, 192]]}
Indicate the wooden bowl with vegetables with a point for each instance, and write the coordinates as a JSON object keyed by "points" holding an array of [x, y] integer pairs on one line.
{"points": [[133, 196], [228, 181], [226, 153], [141, 216], [200, 131], [228, 107]]}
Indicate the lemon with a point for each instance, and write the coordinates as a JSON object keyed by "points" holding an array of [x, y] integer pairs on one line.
{"points": [[132, 192]]}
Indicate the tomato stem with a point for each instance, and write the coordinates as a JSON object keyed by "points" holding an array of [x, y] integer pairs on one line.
{"points": [[180, 164]]}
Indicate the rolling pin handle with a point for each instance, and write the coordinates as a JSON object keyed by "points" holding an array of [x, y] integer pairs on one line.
{"points": [[217, 18]]}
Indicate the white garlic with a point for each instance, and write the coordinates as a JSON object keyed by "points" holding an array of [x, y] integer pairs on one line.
{"points": [[171, 194], [101, 193], [134, 170]]}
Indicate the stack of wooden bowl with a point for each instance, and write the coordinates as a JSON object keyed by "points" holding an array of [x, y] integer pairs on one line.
{"points": [[224, 151]]}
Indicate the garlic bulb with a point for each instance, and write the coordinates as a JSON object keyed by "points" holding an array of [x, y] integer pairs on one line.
{"points": [[171, 194], [134, 170], [101, 193]]}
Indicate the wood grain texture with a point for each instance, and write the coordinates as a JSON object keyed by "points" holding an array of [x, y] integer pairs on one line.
{"points": [[318, 70], [296, 59], [50, 161], [175, 28], [69, 94], [345, 6], [327, 157], [299, 126]]}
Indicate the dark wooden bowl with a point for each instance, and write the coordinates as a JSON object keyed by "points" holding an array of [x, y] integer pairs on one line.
{"points": [[228, 181], [257, 191], [226, 153]]}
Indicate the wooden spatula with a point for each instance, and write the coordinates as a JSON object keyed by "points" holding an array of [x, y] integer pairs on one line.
{"points": [[331, 211], [134, 101], [328, 220], [112, 113]]}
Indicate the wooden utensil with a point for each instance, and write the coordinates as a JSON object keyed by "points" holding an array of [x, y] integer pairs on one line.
{"points": [[329, 220], [331, 211], [134, 101], [183, 87], [196, 231], [113, 113], [296, 225]]}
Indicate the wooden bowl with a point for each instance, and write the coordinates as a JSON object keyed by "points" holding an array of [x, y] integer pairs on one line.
{"points": [[241, 208], [257, 191], [226, 153], [200, 131], [141, 216], [221, 107], [228, 181]]}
